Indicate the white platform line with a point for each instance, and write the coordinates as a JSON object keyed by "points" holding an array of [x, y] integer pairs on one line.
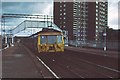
{"points": [[102, 66], [109, 68], [47, 67]]}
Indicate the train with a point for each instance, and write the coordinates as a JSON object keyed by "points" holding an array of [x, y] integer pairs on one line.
{"points": [[46, 40], [50, 40]]}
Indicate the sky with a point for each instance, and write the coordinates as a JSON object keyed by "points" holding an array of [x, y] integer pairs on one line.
{"points": [[42, 8], [46, 7], [113, 14]]}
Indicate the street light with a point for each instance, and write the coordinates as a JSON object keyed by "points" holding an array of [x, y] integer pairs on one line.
{"points": [[104, 35]]}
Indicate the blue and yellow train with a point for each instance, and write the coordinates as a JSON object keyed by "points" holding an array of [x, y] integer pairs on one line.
{"points": [[50, 40], [47, 40]]}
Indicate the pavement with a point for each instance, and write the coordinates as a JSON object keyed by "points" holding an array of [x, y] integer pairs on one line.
{"points": [[19, 62], [107, 53]]}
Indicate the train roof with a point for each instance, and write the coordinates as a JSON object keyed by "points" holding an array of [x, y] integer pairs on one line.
{"points": [[49, 30], [46, 30]]}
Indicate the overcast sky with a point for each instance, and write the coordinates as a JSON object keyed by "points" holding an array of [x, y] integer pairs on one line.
{"points": [[113, 14], [46, 7]]}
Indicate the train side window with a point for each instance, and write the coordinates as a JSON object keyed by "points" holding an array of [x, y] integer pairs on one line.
{"points": [[43, 39], [59, 39]]}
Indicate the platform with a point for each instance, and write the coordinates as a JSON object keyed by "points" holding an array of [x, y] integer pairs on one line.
{"points": [[19, 62], [107, 53]]}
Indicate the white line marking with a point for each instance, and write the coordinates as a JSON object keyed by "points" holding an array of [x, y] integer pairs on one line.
{"points": [[102, 66], [47, 67], [109, 68], [76, 73]]}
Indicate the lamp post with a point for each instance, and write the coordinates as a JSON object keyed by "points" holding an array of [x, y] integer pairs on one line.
{"points": [[76, 40], [104, 35]]}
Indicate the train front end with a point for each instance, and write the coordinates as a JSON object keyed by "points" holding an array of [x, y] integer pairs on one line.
{"points": [[50, 41]]}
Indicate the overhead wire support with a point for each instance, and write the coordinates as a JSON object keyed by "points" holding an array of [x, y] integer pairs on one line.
{"points": [[46, 18], [18, 28], [24, 16]]}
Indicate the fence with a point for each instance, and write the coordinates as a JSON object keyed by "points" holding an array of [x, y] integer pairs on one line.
{"points": [[111, 45]]}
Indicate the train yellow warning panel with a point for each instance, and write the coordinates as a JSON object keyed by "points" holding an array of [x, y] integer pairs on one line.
{"points": [[50, 40]]}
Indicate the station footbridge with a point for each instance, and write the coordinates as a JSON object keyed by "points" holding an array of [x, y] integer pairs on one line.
{"points": [[32, 25]]}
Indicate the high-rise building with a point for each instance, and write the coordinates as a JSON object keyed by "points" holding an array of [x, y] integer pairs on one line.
{"points": [[84, 21], [63, 16]]}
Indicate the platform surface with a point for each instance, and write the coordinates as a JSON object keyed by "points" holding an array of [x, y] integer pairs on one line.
{"points": [[18, 62]]}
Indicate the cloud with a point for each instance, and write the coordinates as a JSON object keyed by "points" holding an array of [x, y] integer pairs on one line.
{"points": [[113, 14], [48, 10], [26, 0], [46, 7], [25, 8], [119, 15], [12, 7]]}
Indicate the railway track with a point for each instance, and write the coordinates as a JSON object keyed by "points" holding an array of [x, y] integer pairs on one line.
{"points": [[96, 59], [73, 65], [59, 68]]}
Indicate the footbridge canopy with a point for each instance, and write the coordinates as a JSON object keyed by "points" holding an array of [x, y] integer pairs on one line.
{"points": [[29, 27]]}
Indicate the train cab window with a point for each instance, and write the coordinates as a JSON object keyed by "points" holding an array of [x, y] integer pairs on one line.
{"points": [[43, 39], [51, 39], [59, 39]]}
